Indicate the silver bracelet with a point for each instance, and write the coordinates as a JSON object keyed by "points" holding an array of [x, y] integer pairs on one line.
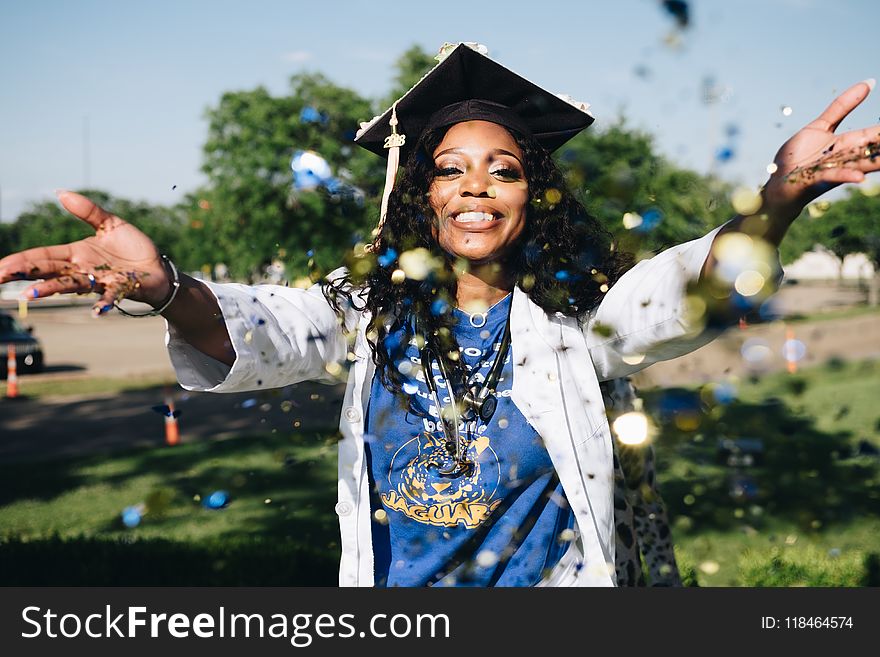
{"points": [[175, 286]]}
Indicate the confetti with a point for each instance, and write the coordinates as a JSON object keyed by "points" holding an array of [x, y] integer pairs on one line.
{"points": [[746, 201], [632, 220], [567, 535], [749, 283], [219, 499], [631, 428], [650, 220], [249, 403], [710, 567], [818, 209], [832, 160], [310, 170], [311, 115], [869, 190], [398, 276], [417, 264], [786, 110], [22, 309], [724, 154], [487, 559], [679, 10], [793, 350], [755, 351], [772, 168], [132, 515]]}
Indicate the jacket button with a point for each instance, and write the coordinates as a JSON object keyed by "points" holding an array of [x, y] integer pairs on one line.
{"points": [[343, 509], [352, 414]]}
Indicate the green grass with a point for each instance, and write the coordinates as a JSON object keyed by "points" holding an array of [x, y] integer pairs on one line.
{"points": [[815, 519], [815, 514], [840, 396], [283, 485], [88, 386]]}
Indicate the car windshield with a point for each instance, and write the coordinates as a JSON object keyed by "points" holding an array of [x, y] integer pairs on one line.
{"points": [[9, 325]]}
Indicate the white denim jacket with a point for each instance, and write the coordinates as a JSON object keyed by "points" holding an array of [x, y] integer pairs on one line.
{"points": [[558, 363]]}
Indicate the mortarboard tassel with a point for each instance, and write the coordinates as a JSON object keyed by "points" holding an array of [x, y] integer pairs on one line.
{"points": [[393, 142]]}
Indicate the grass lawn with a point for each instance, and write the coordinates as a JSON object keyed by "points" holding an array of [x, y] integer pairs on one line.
{"points": [[86, 386], [809, 497], [810, 515]]}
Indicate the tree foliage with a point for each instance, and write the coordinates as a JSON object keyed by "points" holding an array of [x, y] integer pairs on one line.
{"points": [[616, 171], [850, 225], [46, 222], [249, 209]]}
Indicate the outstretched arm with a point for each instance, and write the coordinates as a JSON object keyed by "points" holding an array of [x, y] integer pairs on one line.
{"points": [[644, 317], [120, 261], [815, 160]]}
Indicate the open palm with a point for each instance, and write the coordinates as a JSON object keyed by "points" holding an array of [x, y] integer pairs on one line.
{"points": [[817, 159], [118, 261]]}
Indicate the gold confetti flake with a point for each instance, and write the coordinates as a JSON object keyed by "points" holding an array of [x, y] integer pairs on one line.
{"points": [[633, 359], [487, 559], [749, 283], [632, 220], [631, 428], [746, 200], [710, 567]]}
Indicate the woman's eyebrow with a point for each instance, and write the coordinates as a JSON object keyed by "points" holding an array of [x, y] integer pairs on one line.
{"points": [[493, 152]]}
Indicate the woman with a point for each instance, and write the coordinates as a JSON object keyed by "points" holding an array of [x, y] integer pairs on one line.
{"points": [[475, 446]]}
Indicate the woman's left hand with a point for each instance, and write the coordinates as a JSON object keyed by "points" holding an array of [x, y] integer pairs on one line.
{"points": [[816, 159]]}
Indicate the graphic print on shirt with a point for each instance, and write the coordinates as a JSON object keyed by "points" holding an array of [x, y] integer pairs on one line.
{"points": [[419, 491]]}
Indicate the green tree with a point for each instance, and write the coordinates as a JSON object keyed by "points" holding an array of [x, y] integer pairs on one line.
{"points": [[251, 211], [849, 225], [8, 238], [616, 171], [46, 222], [409, 68]]}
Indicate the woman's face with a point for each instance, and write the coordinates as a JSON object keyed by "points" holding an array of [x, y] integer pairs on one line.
{"points": [[479, 193]]}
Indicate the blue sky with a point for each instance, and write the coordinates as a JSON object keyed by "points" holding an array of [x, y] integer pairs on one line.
{"points": [[143, 73]]}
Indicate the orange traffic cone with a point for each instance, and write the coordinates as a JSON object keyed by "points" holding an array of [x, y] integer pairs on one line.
{"points": [[791, 363], [172, 435], [11, 373]]}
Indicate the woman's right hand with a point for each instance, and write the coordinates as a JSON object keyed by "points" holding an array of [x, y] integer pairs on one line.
{"points": [[118, 262]]}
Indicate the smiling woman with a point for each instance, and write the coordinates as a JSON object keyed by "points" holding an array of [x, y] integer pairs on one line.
{"points": [[476, 330]]}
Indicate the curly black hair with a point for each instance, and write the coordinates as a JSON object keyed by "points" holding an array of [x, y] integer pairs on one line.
{"points": [[565, 260]]}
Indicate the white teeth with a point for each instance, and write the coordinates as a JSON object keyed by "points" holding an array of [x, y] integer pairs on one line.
{"points": [[470, 217]]}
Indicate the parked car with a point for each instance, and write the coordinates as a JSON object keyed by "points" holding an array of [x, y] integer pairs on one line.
{"points": [[28, 350]]}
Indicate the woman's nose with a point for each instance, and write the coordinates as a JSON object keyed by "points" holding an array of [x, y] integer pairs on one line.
{"points": [[475, 183]]}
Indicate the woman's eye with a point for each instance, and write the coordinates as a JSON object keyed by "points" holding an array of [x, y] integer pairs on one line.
{"points": [[509, 174], [446, 171]]}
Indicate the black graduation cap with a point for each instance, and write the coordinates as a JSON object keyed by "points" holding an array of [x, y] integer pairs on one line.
{"points": [[468, 85]]}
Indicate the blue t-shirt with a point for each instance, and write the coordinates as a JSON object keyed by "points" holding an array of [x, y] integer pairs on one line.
{"points": [[498, 525]]}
